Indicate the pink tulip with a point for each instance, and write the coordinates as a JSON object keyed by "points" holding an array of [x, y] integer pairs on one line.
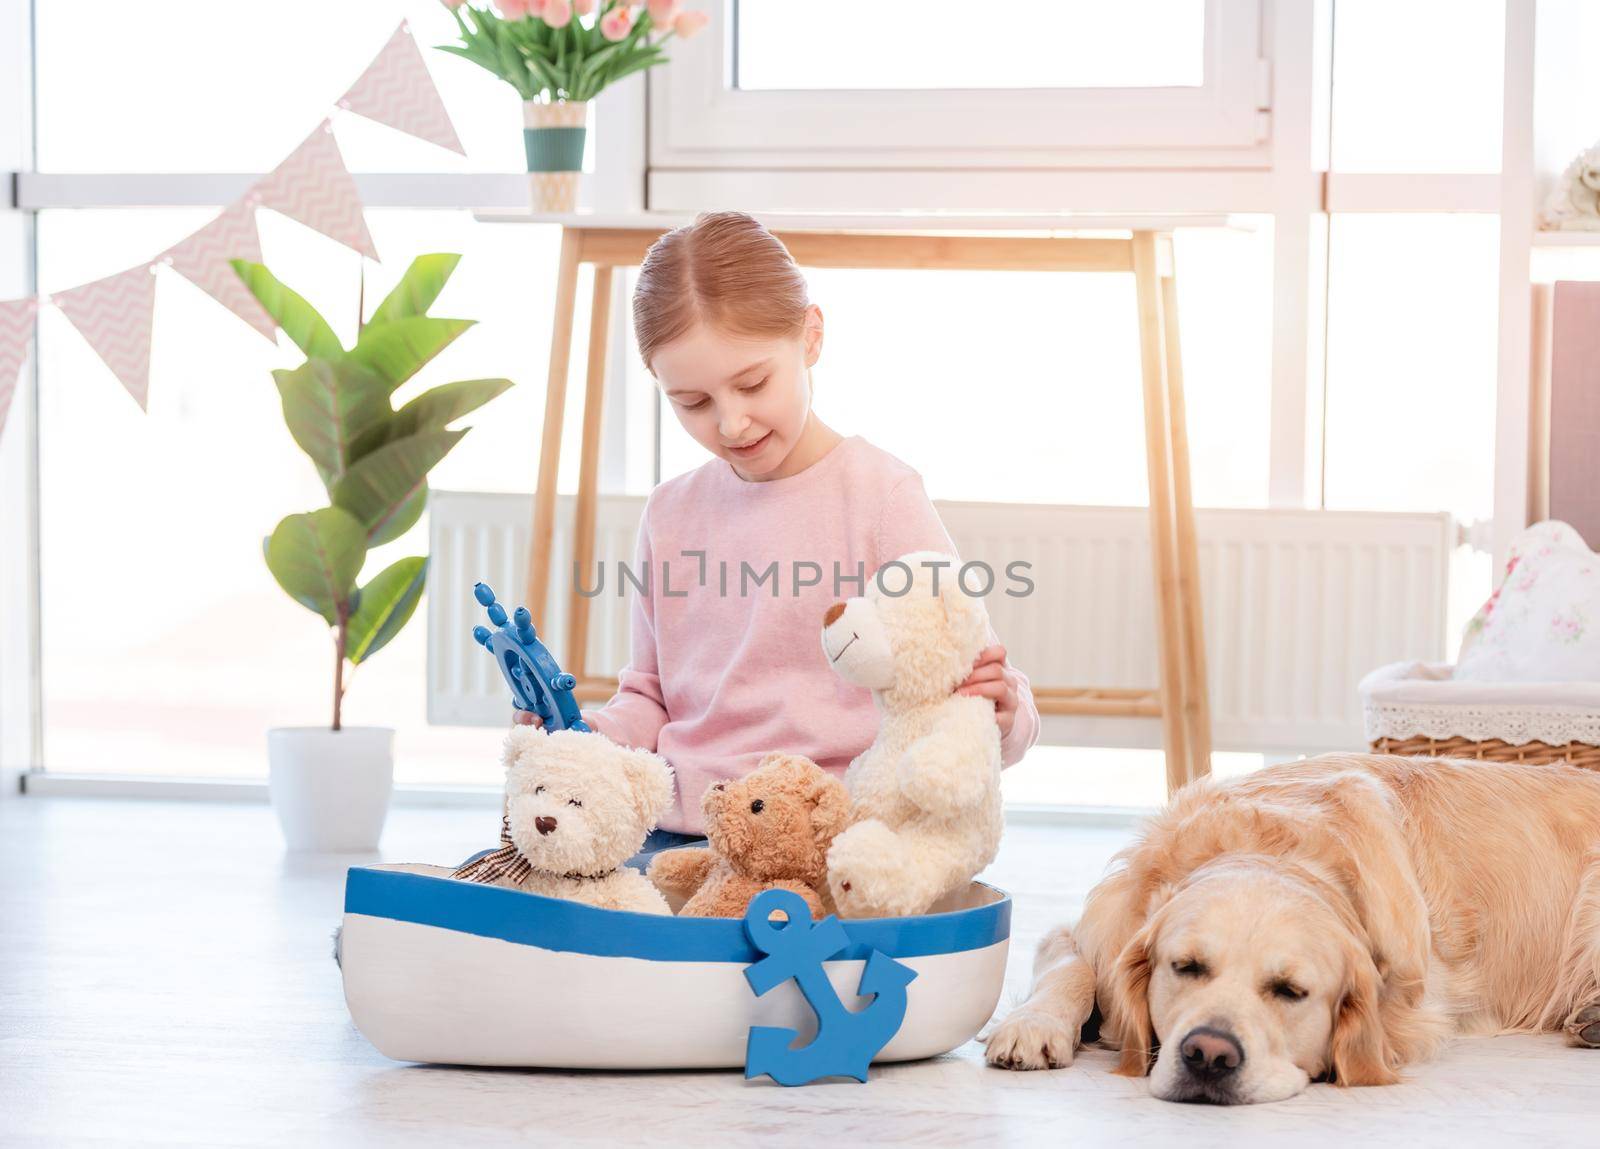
{"points": [[513, 9], [617, 23], [687, 23], [662, 11], [558, 13], [583, 7], [453, 4]]}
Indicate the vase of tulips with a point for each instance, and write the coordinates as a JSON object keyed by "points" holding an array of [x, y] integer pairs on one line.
{"points": [[559, 55]]}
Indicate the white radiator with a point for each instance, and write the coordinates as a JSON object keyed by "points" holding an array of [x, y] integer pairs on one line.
{"points": [[1298, 606]]}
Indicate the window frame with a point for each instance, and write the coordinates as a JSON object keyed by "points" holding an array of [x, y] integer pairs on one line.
{"points": [[699, 121]]}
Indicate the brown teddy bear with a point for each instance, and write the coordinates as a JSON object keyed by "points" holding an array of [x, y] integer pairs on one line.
{"points": [[769, 830]]}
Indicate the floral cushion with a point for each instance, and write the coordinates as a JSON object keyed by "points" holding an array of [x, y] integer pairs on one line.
{"points": [[1543, 622]]}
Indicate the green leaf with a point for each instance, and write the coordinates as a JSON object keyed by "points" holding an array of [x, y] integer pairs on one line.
{"points": [[511, 65], [593, 68], [545, 74], [575, 33], [479, 54], [482, 34], [328, 406], [397, 350], [432, 410], [316, 557], [299, 320], [387, 603], [629, 67], [386, 489], [417, 289], [407, 516]]}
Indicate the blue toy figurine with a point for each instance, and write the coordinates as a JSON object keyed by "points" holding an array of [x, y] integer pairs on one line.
{"points": [[536, 682], [846, 1041]]}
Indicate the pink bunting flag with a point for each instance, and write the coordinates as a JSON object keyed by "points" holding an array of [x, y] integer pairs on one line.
{"points": [[16, 329], [115, 315], [397, 90], [314, 187], [203, 260]]}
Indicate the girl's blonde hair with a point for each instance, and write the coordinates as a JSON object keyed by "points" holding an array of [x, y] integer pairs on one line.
{"points": [[724, 269]]}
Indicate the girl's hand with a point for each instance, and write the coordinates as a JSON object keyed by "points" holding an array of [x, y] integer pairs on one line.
{"points": [[989, 680], [521, 717]]}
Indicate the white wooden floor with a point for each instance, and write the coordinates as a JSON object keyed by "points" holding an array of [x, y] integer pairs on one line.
{"points": [[165, 979]]}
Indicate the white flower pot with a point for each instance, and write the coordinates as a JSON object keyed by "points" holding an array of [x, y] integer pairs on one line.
{"points": [[329, 787]]}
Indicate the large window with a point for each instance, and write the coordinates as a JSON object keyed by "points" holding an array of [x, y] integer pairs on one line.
{"points": [[168, 649], [1413, 294], [792, 84], [1044, 369], [166, 87], [940, 45], [1404, 101]]}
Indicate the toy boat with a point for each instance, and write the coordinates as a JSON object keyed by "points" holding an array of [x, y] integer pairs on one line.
{"points": [[453, 972]]}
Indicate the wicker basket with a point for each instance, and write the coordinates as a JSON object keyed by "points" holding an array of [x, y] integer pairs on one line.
{"points": [[1417, 708], [1492, 750]]}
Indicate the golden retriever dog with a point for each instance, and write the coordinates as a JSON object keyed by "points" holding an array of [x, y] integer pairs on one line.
{"points": [[1333, 918]]}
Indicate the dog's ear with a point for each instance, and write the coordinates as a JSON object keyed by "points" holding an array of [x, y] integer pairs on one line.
{"points": [[1129, 996], [1373, 862], [1360, 1052]]}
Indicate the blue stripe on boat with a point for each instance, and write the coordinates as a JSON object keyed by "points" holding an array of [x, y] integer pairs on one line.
{"points": [[571, 927]]}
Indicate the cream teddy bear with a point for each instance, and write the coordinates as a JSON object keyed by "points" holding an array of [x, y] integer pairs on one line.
{"points": [[925, 796], [577, 807]]}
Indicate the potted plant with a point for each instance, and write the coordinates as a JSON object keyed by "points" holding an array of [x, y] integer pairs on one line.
{"points": [[330, 785], [558, 63]]}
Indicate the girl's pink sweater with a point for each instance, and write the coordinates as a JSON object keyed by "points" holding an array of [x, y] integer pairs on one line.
{"points": [[727, 660]]}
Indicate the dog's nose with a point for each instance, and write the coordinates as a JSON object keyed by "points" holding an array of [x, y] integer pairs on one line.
{"points": [[834, 612], [1211, 1054], [543, 824]]}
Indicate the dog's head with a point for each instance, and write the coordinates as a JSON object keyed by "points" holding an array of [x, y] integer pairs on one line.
{"points": [[1249, 979], [577, 802]]}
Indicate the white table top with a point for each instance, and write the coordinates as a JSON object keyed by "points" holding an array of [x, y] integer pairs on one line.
{"points": [[940, 222]]}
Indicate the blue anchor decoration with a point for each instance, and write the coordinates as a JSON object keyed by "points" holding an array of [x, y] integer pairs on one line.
{"points": [[536, 682], [846, 1041]]}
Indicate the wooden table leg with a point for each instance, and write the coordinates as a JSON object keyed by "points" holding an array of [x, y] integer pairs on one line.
{"points": [[1163, 547], [594, 402], [555, 401], [1196, 695]]}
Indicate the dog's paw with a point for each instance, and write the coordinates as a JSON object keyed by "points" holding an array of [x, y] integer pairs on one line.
{"points": [[1028, 1039], [1583, 1028]]}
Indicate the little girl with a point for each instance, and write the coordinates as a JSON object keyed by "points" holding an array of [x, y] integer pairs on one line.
{"points": [[727, 661]]}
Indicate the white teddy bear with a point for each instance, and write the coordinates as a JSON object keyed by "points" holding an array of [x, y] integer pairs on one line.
{"points": [[925, 796], [577, 807]]}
